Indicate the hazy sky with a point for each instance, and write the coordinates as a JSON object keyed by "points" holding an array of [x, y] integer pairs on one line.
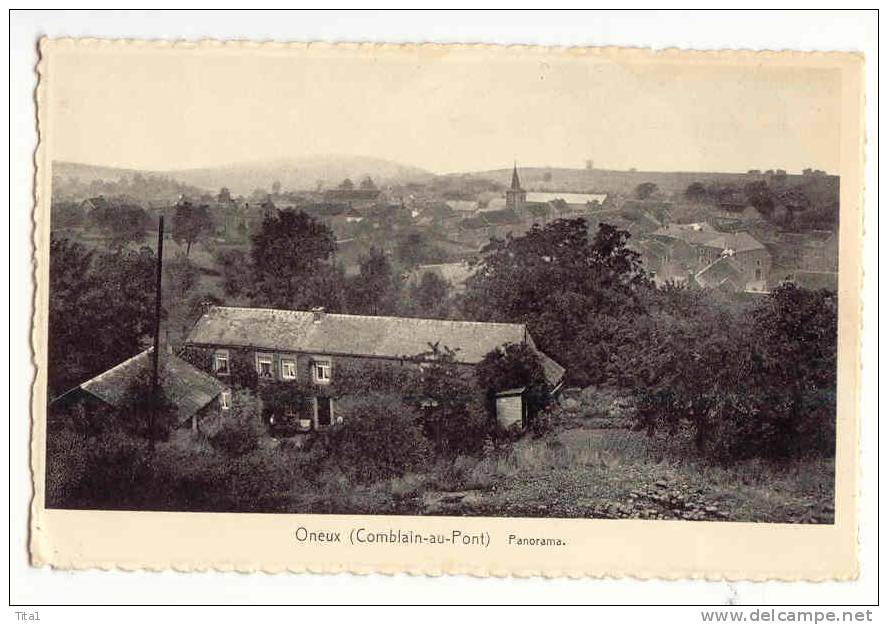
{"points": [[163, 109]]}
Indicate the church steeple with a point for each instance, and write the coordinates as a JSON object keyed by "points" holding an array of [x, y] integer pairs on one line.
{"points": [[516, 197], [516, 183]]}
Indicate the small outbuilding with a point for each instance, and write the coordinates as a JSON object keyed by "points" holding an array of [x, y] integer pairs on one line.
{"points": [[511, 409]]}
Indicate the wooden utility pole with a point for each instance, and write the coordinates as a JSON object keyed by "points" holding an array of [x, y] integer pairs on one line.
{"points": [[155, 374]]}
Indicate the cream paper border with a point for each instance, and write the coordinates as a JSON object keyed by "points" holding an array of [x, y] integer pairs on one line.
{"points": [[70, 539]]}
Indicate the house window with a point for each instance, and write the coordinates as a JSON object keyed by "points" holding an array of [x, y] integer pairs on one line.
{"points": [[220, 362], [264, 367], [322, 371], [225, 400], [323, 412], [288, 369]]}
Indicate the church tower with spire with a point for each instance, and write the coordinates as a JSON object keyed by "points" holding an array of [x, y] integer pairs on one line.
{"points": [[516, 197]]}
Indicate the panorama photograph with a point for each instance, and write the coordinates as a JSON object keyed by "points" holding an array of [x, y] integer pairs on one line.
{"points": [[581, 289]]}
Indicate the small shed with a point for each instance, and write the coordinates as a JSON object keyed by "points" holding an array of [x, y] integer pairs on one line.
{"points": [[510, 408], [193, 393]]}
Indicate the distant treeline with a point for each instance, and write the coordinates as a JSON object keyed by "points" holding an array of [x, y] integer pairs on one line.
{"points": [[144, 189]]}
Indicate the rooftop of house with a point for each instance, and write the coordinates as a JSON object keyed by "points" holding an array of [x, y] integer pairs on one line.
{"points": [[672, 271], [187, 387], [99, 202], [721, 272], [454, 273], [463, 206], [484, 219], [357, 335], [704, 235], [493, 204], [570, 198], [352, 194]]}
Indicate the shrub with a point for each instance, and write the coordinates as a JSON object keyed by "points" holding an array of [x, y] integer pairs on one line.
{"points": [[756, 384], [117, 473], [380, 438], [511, 366], [452, 414], [66, 463], [239, 431]]}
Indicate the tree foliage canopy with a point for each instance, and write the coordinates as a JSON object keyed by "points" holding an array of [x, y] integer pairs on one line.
{"points": [[288, 263], [191, 222], [101, 310], [578, 294]]}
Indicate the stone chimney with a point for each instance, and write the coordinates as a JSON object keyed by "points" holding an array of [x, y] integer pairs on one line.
{"points": [[317, 314]]}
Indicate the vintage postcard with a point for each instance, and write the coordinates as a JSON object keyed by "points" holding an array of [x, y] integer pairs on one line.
{"points": [[447, 309]]}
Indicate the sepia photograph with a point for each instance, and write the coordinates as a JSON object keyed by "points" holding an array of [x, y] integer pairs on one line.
{"points": [[445, 281]]}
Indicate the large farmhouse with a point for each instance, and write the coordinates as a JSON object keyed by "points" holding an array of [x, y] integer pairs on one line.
{"points": [[255, 347]]}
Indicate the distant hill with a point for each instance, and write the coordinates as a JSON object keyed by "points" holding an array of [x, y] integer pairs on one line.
{"points": [[293, 174], [301, 173], [610, 181]]}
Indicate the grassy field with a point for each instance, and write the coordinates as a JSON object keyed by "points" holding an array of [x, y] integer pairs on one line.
{"points": [[586, 468]]}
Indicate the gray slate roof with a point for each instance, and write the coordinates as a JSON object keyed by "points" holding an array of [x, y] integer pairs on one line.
{"points": [[357, 335], [190, 389], [708, 237]]}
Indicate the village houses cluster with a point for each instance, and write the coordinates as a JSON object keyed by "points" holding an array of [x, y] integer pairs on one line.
{"points": [[252, 347]]}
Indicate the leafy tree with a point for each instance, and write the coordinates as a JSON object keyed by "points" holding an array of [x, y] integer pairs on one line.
{"points": [[191, 222], [122, 224], [430, 298], [367, 184], [373, 291], [65, 214], [452, 415], [288, 263], [224, 196], [347, 184], [760, 196], [645, 190], [794, 201], [146, 412], [234, 266], [757, 382], [579, 295], [695, 192], [514, 365], [101, 308], [414, 249], [180, 275]]}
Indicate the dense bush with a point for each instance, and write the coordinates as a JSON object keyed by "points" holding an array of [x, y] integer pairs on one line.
{"points": [[451, 408], [755, 383], [362, 378], [66, 463], [380, 437], [239, 431]]}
